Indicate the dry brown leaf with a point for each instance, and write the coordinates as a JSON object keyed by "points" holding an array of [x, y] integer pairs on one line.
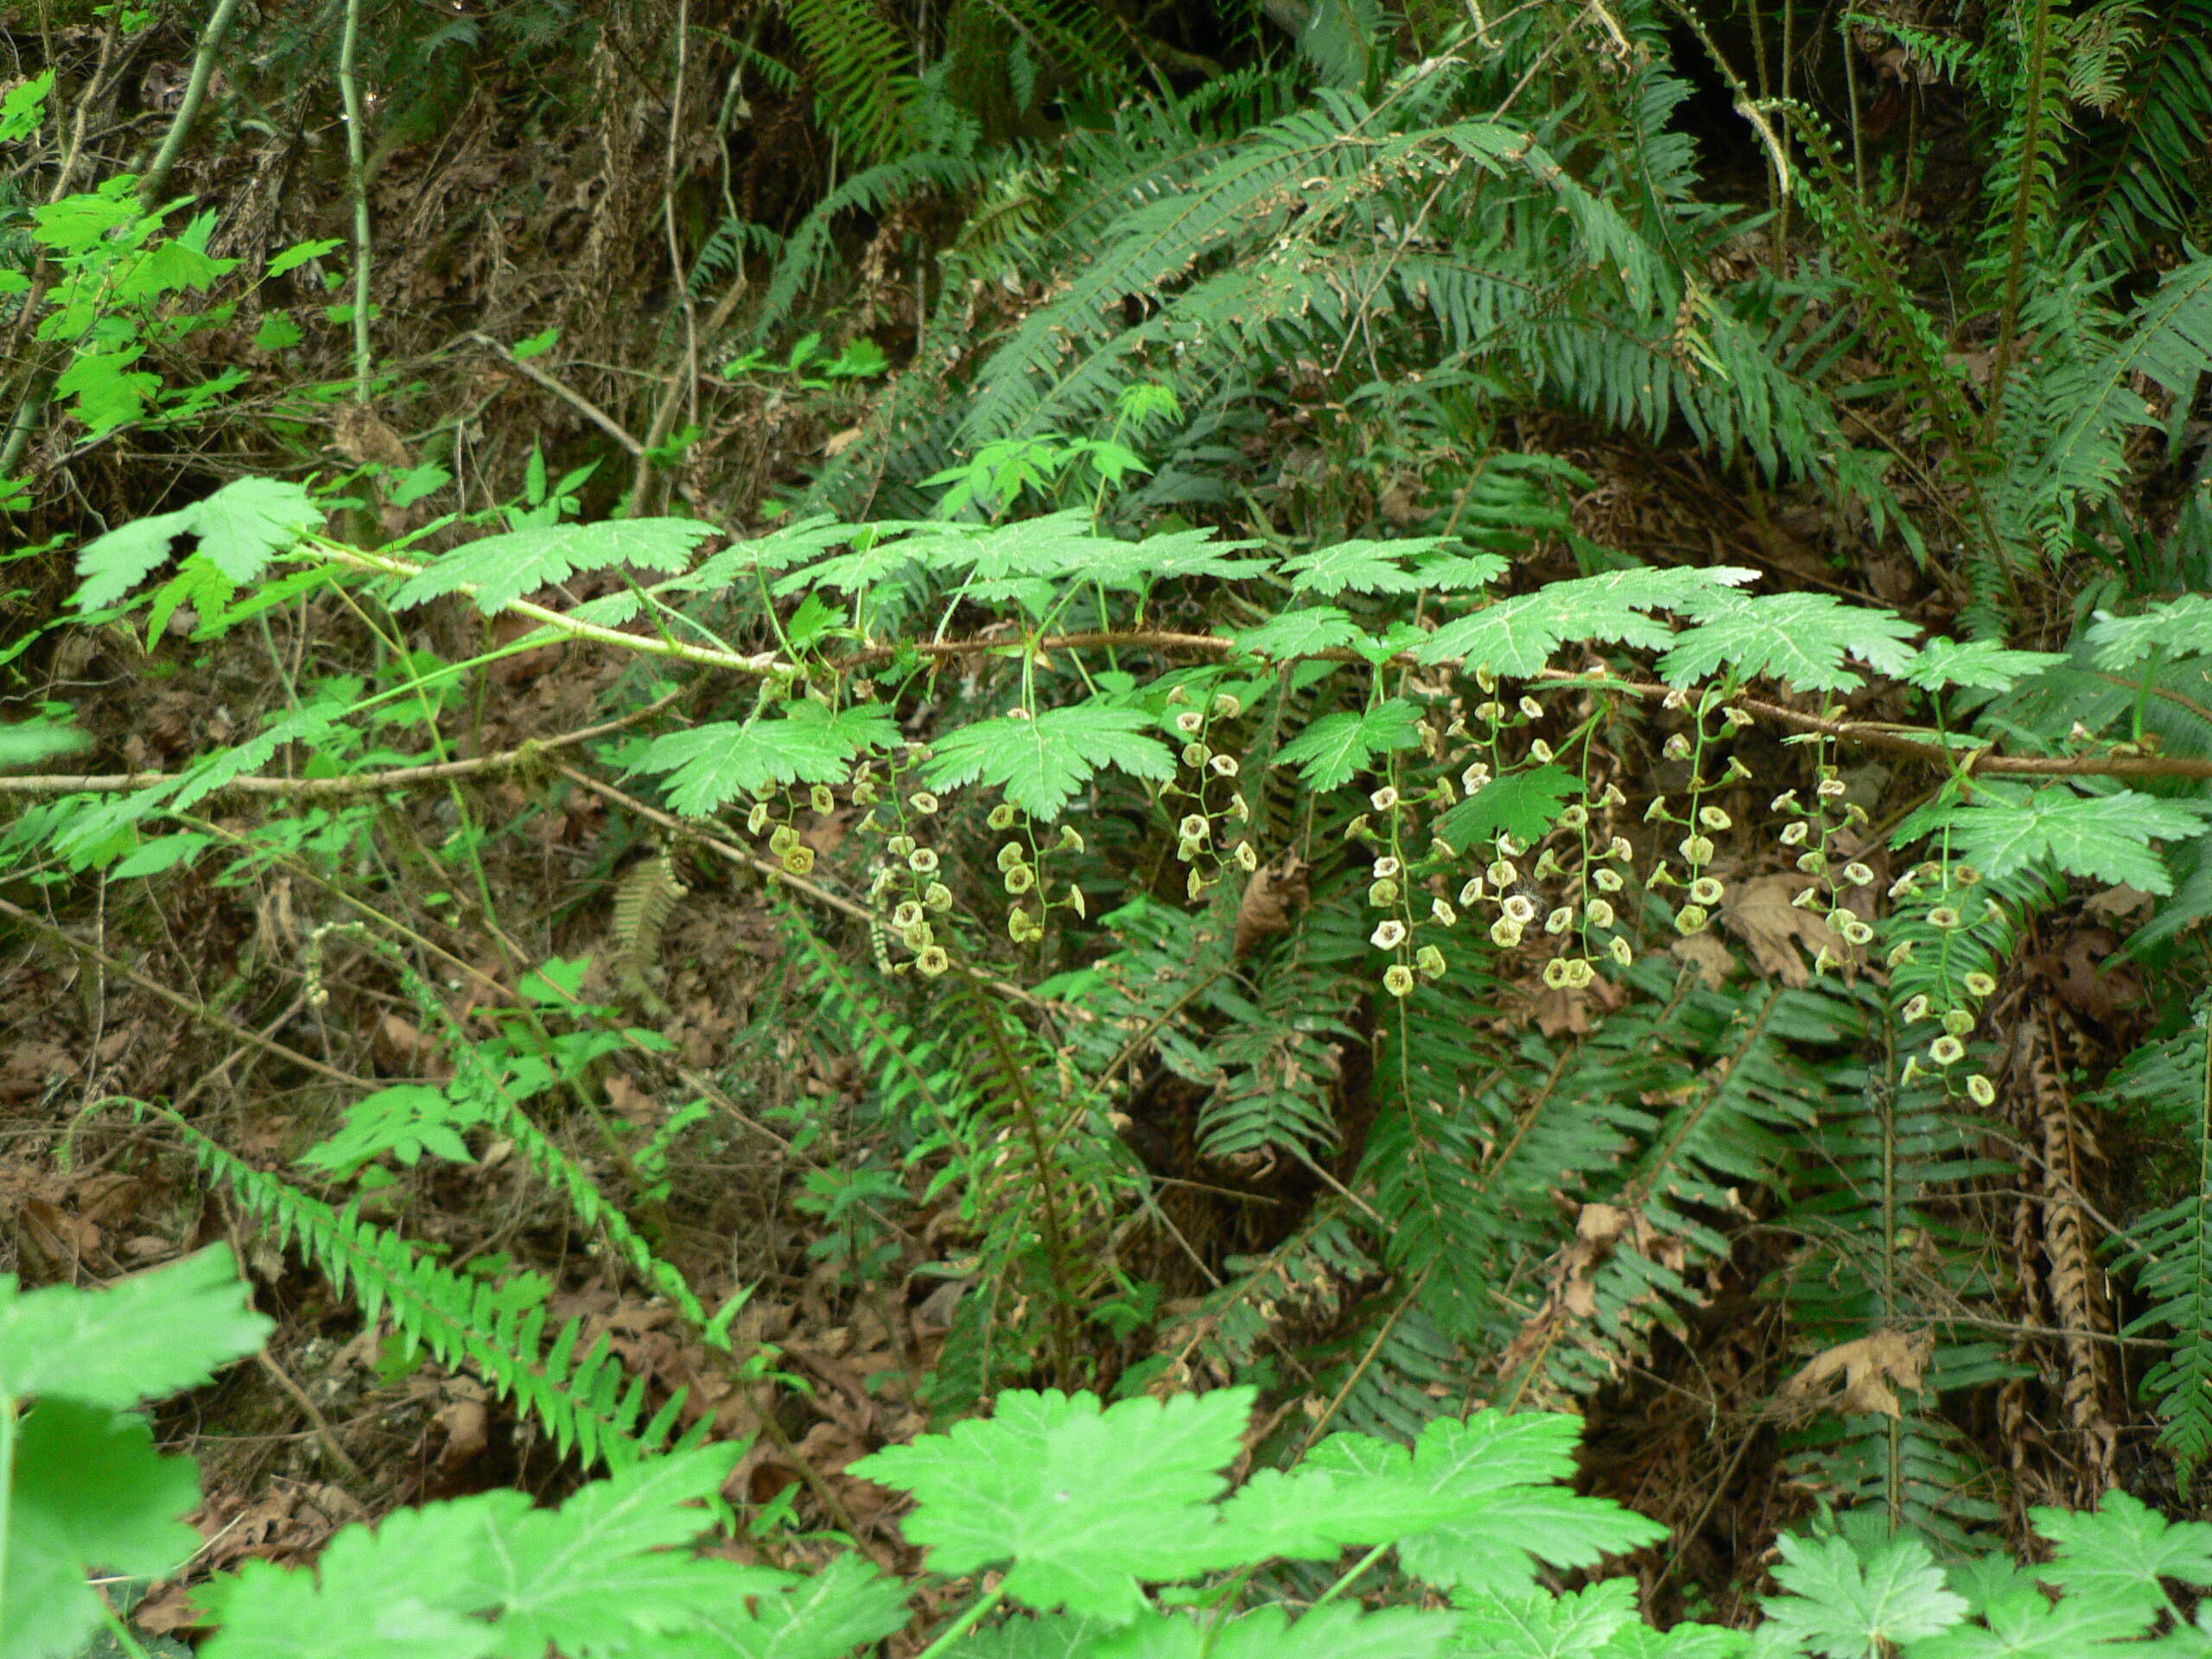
{"points": [[1774, 930], [1715, 962], [1274, 893], [363, 437], [1868, 1366]]}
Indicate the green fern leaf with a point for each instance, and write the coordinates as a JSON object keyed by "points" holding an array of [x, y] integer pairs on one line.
{"points": [[1040, 762], [500, 570]]}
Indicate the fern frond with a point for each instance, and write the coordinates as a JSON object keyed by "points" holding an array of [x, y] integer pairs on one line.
{"points": [[644, 900], [2170, 1252], [863, 71], [587, 1402]]}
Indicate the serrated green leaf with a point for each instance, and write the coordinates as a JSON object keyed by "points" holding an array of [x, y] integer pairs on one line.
{"points": [[1083, 1503], [1525, 804], [1337, 1631], [2027, 1625], [240, 527], [805, 744], [1363, 567], [1299, 633], [299, 253], [2122, 1551], [1041, 762], [1330, 750], [161, 853], [1799, 639], [1519, 636], [2180, 627], [247, 521], [1540, 1625], [844, 1606], [1843, 1608], [89, 1492], [142, 1337], [502, 568], [108, 392], [2103, 837], [1978, 664], [1504, 1470]]}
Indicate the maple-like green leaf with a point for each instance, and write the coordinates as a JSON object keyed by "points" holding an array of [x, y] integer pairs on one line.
{"points": [[1310, 1514], [1843, 1608], [1083, 1503], [1978, 664], [1363, 567], [1519, 636], [2122, 1551], [107, 391], [1537, 1625], [2179, 627], [1505, 1470], [1337, 1631], [804, 744], [241, 526], [1299, 633], [89, 1492], [1799, 639], [142, 1337], [846, 1606], [1525, 804], [2026, 1624], [1330, 750], [502, 568], [1042, 761], [493, 1575], [2103, 837]]}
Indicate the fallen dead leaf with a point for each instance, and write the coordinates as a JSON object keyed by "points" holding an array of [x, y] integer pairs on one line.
{"points": [[1759, 913], [1715, 962], [1868, 1366]]}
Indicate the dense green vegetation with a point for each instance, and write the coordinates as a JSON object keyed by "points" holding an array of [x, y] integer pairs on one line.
{"points": [[768, 742]]}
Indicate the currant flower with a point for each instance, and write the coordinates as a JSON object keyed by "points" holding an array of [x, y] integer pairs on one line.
{"points": [[1560, 920], [1858, 874], [1505, 932], [1981, 984], [1398, 979], [1384, 798], [1983, 1091], [937, 897], [1020, 879], [1388, 935], [1947, 1050], [1001, 816], [1520, 908], [923, 801], [1621, 951], [799, 860], [1011, 854], [821, 799], [1600, 913], [922, 860], [1692, 918], [1714, 818], [1441, 909], [1429, 961], [906, 916], [1705, 891], [932, 961]]}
